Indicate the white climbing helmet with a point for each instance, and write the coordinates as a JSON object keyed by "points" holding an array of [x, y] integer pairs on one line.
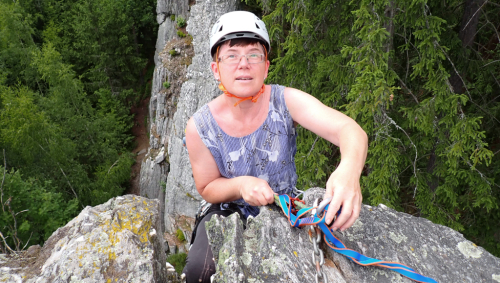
{"points": [[238, 24]]}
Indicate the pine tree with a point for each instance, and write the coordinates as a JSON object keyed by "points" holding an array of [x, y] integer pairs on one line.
{"points": [[422, 79]]}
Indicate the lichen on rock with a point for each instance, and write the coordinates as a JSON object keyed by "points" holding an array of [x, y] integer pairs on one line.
{"points": [[118, 241], [280, 254]]}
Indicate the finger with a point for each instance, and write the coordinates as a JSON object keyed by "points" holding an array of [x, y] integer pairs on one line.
{"points": [[332, 210], [352, 219], [343, 217], [252, 196], [261, 196], [269, 195]]}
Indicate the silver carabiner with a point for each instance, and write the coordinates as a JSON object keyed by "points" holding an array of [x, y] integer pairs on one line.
{"points": [[322, 205], [315, 205]]}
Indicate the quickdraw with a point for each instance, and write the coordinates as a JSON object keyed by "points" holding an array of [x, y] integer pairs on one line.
{"points": [[318, 220]]}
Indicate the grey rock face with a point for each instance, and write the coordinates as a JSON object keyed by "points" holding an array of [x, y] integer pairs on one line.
{"points": [[270, 250], [181, 197], [165, 8], [162, 105], [120, 240], [166, 154]]}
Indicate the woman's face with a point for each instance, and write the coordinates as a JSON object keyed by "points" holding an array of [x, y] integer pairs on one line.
{"points": [[241, 79]]}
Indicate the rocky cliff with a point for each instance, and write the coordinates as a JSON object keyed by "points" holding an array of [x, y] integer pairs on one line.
{"points": [[166, 173]]}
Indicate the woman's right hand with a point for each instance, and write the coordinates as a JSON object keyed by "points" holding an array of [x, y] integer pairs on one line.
{"points": [[255, 191]]}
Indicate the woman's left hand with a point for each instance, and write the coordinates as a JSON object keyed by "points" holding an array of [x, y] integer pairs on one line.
{"points": [[344, 188]]}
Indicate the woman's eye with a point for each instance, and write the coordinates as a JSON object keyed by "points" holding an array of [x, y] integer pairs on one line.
{"points": [[253, 55]]}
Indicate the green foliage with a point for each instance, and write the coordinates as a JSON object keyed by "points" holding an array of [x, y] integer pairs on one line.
{"points": [[31, 210], [180, 34], [181, 22], [180, 235], [68, 72], [172, 52], [166, 84], [178, 261], [391, 65], [172, 17]]}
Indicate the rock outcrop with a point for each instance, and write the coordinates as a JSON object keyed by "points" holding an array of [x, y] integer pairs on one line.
{"points": [[169, 68], [118, 241], [166, 173], [121, 241], [269, 250]]}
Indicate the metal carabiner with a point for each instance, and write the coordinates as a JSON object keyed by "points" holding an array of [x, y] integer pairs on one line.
{"points": [[322, 205]]}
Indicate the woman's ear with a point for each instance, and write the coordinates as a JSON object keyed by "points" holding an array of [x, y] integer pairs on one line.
{"points": [[215, 70], [266, 72]]}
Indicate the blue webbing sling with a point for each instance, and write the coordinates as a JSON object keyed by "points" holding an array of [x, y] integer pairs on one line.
{"points": [[298, 220]]}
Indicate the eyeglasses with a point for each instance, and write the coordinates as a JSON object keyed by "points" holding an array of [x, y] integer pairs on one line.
{"points": [[233, 59]]}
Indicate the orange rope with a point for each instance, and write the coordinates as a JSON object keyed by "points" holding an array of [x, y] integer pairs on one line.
{"points": [[224, 90]]}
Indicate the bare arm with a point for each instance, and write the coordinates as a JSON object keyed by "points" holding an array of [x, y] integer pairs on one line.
{"points": [[217, 189], [330, 124]]}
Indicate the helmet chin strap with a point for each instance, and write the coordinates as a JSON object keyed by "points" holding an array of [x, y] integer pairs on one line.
{"points": [[224, 90]]}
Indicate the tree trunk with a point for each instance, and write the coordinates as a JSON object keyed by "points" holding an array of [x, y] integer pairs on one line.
{"points": [[390, 12], [467, 33]]}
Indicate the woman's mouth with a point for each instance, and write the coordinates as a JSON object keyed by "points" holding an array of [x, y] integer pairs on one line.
{"points": [[243, 78]]}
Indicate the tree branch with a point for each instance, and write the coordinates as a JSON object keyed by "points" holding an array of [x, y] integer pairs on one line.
{"points": [[28, 241], [409, 90], [471, 18], [3, 179], [414, 146], [66, 177], [312, 147], [494, 28], [112, 166], [5, 243], [67, 180], [17, 242], [491, 63]]}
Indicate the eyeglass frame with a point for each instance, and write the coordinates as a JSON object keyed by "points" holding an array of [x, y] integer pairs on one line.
{"points": [[239, 56]]}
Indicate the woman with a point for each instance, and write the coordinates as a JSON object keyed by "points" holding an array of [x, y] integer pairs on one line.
{"points": [[242, 144]]}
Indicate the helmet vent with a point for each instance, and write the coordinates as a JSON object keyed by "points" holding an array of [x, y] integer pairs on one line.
{"points": [[240, 34], [256, 25], [220, 28]]}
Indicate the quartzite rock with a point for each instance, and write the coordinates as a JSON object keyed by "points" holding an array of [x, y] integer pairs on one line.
{"points": [[269, 250]]}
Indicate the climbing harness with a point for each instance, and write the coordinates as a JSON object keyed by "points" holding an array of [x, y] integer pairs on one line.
{"points": [[318, 226], [205, 208]]}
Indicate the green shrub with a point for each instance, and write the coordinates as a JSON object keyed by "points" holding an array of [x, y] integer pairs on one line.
{"points": [[178, 261], [180, 235], [181, 22], [172, 17], [181, 34], [166, 84], [173, 52]]}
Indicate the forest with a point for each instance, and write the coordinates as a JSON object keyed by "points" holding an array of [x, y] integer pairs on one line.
{"points": [[423, 80], [421, 77], [69, 73]]}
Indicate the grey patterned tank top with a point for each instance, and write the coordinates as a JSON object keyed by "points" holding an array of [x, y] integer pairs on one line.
{"points": [[268, 153]]}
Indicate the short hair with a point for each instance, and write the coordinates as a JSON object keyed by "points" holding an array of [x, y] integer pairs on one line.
{"points": [[238, 42]]}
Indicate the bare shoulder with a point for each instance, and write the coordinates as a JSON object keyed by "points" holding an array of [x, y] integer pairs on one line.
{"points": [[204, 167], [191, 132]]}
